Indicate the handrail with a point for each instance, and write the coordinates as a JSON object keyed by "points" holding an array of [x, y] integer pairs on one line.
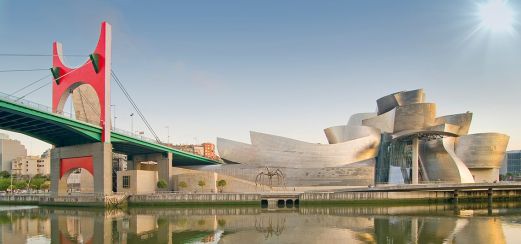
{"points": [[47, 109]]}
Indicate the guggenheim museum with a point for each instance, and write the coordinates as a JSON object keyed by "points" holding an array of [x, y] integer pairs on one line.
{"points": [[403, 142]]}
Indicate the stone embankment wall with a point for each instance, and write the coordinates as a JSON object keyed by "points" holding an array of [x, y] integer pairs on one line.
{"points": [[200, 198], [86, 200], [20, 199], [421, 196], [254, 199]]}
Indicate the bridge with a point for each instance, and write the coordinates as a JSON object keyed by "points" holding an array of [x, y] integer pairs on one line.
{"points": [[88, 140], [36, 120]]}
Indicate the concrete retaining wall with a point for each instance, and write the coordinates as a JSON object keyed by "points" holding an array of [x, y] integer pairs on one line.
{"points": [[425, 196], [182, 198], [67, 200], [255, 198]]}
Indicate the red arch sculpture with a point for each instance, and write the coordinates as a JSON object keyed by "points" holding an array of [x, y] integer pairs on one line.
{"points": [[67, 164], [95, 72]]}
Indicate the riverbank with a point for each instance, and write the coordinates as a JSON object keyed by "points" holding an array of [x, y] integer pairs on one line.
{"points": [[77, 200], [184, 199], [397, 198], [269, 199], [379, 195]]}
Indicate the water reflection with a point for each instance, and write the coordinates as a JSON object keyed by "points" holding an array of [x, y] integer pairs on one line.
{"points": [[266, 226], [418, 224]]}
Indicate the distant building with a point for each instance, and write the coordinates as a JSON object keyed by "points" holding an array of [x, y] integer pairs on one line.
{"points": [[209, 150], [206, 149], [513, 162], [198, 149], [10, 150], [32, 165]]}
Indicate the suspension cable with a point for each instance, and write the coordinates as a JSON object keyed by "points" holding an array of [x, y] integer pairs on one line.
{"points": [[46, 84], [129, 98], [39, 55], [32, 83], [31, 92], [20, 70], [88, 103]]}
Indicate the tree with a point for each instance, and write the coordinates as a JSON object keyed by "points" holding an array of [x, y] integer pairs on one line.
{"points": [[4, 184], [201, 183], [182, 185], [4, 174], [46, 185], [36, 183], [20, 185], [161, 184], [221, 184]]}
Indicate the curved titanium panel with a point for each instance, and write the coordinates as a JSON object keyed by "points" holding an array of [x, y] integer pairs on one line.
{"points": [[343, 133], [448, 128], [441, 163], [355, 132], [383, 122], [484, 150], [235, 151], [386, 104], [357, 119], [417, 116], [410, 97], [389, 102], [336, 134], [462, 120], [275, 151], [355, 174]]}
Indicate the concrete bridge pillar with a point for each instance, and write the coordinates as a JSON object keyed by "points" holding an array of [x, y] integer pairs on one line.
{"points": [[95, 158], [166, 170], [164, 165]]}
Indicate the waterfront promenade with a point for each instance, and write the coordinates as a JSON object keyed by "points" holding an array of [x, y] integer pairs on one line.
{"points": [[397, 194]]}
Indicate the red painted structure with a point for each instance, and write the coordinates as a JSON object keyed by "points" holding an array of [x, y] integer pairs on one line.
{"points": [[95, 72], [67, 164]]}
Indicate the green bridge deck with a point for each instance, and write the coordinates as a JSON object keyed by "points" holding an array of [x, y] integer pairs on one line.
{"points": [[38, 121]]}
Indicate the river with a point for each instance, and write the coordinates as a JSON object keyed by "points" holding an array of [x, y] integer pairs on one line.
{"points": [[500, 223]]}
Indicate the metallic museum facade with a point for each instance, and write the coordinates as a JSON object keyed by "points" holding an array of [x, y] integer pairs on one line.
{"points": [[403, 142]]}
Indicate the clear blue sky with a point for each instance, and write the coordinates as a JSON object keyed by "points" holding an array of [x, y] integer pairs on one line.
{"points": [[292, 68]]}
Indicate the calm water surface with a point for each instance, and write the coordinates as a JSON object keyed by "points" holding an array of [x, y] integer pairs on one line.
{"points": [[411, 224]]}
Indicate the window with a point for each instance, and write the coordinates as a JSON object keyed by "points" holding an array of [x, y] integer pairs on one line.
{"points": [[126, 181]]}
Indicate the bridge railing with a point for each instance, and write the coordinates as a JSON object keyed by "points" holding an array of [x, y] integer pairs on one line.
{"points": [[31, 104], [44, 108], [134, 135]]}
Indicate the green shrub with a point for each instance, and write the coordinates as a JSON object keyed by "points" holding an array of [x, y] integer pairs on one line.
{"points": [[221, 184], [161, 184]]}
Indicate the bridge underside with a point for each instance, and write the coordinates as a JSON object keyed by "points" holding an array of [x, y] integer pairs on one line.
{"points": [[47, 131]]}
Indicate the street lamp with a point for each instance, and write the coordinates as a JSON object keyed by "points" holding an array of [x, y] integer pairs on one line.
{"points": [[168, 134], [132, 123], [114, 110]]}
